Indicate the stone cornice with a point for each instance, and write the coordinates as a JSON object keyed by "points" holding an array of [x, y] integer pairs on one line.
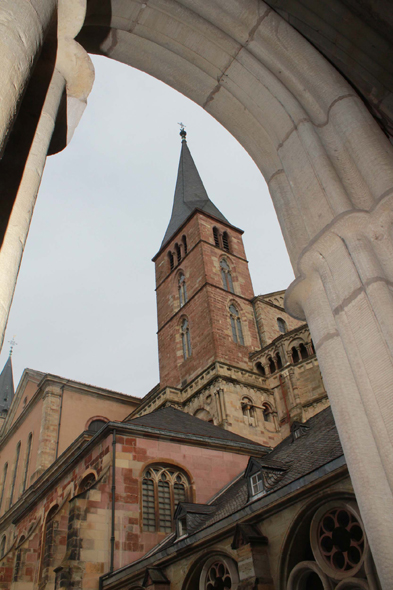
{"points": [[279, 339]]}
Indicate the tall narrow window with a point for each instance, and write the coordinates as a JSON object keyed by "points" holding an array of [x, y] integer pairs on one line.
{"points": [[182, 290], [303, 351], [178, 253], [18, 560], [236, 325], [278, 361], [216, 237], [282, 326], [272, 365], [171, 261], [47, 543], [14, 473], [225, 241], [267, 413], [4, 482], [261, 369], [186, 339], [28, 451], [184, 240], [248, 411], [2, 546], [295, 355], [226, 276], [163, 487]]}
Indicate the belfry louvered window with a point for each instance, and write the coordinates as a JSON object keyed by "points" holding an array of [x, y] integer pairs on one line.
{"points": [[236, 325], [182, 290], [226, 276], [163, 487]]}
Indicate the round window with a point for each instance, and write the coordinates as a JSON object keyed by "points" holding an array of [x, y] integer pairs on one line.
{"points": [[219, 573]]}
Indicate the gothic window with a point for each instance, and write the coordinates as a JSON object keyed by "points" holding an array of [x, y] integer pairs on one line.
{"points": [[272, 365], [3, 486], [303, 351], [278, 361], [48, 543], [18, 560], [14, 473], [184, 240], [226, 276], [2, 546], [219, 571], [267, 413], [178, 253], [171, 261], [182, 290], [28, 451], [163, 487], [216, 237], [282, 326], [236, 325], [86, 482], [186, 339], [96, 425], [261, 369], [248, 411], [225, 241], [295, 355]]}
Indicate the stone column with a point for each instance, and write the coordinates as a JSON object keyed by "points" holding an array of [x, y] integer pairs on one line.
{"points": [[345, 293], [47, 443]]}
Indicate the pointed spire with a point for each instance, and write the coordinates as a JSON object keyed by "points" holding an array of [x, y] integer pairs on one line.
{"points": [[190, 194], [6, 386]]}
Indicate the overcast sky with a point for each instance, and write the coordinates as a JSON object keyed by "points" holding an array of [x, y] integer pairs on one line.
{"points": [[84, 306]]}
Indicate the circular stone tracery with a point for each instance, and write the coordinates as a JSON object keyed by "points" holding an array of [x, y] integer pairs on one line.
{"points": [[340, 540], [218, 577]]}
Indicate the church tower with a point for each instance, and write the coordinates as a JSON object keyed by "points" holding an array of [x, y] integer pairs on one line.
{"points": [[203, 285]]}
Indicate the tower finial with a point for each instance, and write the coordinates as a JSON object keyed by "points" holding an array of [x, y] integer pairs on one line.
{"points": [[13, 343], [183, 132]]}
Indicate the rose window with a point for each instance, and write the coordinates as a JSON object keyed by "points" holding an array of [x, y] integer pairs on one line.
{"points": [[218, 576], [340, 540]]}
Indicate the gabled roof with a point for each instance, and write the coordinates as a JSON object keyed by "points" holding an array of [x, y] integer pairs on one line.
{"points": [[177, 421], [190, 194], [6, 386]]}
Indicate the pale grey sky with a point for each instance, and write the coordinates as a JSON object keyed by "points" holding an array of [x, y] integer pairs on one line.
{"points": [[84, 306]]}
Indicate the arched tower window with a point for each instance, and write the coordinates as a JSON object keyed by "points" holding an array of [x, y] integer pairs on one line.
{"points": [[96, 425], [261, 369], [184, 240], [282, 325], [178, 253], [278, 361], [236, 325], [186, 339], [226, 276], [4, 482], [267, 413], [225, 241], [303, 351], [171, 261], [216, 237], [14, 473], [163, 487], [182, 290], [2, 546], [272, 365], [28, 451], [248, 411], [295, 355], [18, 560]]}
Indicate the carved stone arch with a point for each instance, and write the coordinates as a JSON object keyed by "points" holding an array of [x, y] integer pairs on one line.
{"points": [[193, 577], [169, 462]]}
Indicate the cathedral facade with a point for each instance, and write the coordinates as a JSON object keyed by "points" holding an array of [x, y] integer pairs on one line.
{"points": [[228, 474]]}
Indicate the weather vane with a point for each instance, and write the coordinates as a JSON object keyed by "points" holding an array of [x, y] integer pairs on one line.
{"points": [[13, 343], [183, 132]]}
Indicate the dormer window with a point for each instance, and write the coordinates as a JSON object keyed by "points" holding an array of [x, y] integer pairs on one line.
{"points": [[256, 483], [182, 524]]}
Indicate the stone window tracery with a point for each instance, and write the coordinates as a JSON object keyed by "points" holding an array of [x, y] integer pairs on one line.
{"points": [[219, 572], [186, 339], [226, 276], [163, 487], [182, 290], [236, 325]]}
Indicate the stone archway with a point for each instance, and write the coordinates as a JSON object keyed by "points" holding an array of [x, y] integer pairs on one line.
{"points": [[327, 164]]}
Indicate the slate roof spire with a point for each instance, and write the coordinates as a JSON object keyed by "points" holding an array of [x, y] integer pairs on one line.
{"points": [[6, 386], [190, 194]]}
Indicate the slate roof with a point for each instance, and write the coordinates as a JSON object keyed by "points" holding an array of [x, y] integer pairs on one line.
{"points": [[190, 194], [176, 421], [300, 456], [6, 386]]}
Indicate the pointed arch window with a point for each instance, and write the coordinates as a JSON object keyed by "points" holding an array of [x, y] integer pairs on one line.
{"points": [[186, 339], [163, 487], [236, 325], [182, 290], [4, 482], [184, 240], [178, 253], [28, 451], [225, 241], [216, 237], [14, 473], [48, 543], [2, 546], [226, 276], [18, 560], [171, 261]]}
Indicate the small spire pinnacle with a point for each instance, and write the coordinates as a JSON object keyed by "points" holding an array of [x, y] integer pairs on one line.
{"points": [[13, 343], [183, 132]]}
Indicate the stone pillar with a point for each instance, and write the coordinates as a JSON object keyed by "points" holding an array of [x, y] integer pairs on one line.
{"points": [[345, 294], [47, 442]]}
